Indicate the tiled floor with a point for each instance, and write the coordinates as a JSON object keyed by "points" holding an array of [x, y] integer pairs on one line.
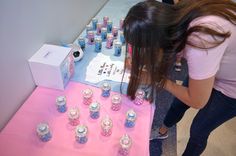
{"points": [[222, 141]]}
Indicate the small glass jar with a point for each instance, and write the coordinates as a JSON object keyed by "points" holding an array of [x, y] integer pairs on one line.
{"points": [[90, 37], [61, 104], [73, 116], [94, 23], [104, 34], [105, 20], [88, 28], [139, 97], [118, 47], [99, 28], [81, 42], [106, 125], [81, 134], [116, 102], [130, 118], [122, 38], [125, 145], [43, 132], [106, 89], [115, 32], [98, 44], [87, 96], [109, 26], [109, 43], [121, 23], [94, 109]]}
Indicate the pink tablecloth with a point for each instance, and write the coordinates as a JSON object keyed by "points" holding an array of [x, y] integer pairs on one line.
{"points": [[19, 138]]}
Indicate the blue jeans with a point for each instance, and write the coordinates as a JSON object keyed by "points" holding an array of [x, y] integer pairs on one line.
{"points": [[218, 110]]}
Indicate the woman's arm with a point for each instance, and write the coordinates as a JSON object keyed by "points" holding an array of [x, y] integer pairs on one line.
{"points": [[196, 95]]}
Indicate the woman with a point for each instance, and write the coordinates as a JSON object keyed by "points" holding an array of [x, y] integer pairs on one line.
{"points": [[205, 31]]}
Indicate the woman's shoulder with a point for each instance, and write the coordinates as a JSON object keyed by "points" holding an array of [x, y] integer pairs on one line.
{"points": [[214, 22]]}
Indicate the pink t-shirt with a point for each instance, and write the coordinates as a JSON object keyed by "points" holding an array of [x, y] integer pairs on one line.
{"points": [[219, 61]]}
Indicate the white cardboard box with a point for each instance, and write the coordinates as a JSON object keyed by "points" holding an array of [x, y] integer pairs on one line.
{"points": [[52, 66]]}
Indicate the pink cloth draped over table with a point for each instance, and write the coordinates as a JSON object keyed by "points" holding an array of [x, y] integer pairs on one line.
{"points": [[19, 137]]}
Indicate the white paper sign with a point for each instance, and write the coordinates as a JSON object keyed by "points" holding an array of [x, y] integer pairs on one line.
{"points": [[103, 68]]}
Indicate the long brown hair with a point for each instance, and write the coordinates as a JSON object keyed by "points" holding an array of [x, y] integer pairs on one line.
{"points": [[157, 31]]}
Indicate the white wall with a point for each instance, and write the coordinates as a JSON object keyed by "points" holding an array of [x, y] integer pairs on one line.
{"points": [[24, 26]]}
